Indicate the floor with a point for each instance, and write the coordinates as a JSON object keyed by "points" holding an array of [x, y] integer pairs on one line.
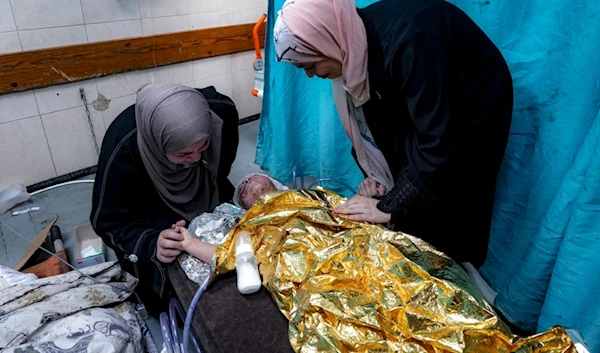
{"points": [[72, 204]]}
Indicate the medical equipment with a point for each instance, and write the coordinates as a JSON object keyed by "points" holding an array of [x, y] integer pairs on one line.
{"points": [[170, 330], [330, 180], [25, 211], [297, 172], [190, 313], [258, 65]]}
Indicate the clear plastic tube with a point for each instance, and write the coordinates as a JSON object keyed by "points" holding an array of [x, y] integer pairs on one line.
{"points": [[166, 332], [190, 313], [176, 313], [336, 181]]}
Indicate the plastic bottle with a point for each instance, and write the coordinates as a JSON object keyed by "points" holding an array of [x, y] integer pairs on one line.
{"points": [[15, 194], [248, 278]]}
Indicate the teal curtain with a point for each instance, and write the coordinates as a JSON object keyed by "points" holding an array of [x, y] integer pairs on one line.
{"points": [[544, 253], [299, 125]]}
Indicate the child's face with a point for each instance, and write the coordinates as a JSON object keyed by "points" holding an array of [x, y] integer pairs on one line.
{"points": [[255, 187]]}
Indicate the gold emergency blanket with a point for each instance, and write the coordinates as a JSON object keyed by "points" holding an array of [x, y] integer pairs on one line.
{"points": [[347, 286]]}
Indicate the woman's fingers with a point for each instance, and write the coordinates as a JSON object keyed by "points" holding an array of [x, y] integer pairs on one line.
{"points": [[372, 188], [356, 217], [368, 188], [180, 223], [171, 244], [171, 234], [361, 189], [170, 239], [364, 188], [380, 190], [170, 253], [349, 206]]}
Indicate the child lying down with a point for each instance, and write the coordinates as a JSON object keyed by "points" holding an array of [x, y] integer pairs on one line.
{"points": [[246, 193], [252, 187]]}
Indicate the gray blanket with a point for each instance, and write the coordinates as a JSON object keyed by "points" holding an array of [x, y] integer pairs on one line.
{"points": [[72, 313]]}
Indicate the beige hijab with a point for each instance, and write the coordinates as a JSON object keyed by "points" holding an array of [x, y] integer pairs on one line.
{"points": [[169, 118], [311, 30]]}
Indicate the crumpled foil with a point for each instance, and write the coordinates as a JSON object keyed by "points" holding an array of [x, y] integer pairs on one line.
{"points": [[212, 228], [347, 286]]}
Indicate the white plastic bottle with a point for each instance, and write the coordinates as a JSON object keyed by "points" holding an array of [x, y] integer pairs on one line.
{"points": [[15, 194], [248, 278]]}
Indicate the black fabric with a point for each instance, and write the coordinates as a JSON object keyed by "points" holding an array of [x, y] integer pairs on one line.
{"points": [[227, 321], [127, 211], [440, 112], [404, 199]]}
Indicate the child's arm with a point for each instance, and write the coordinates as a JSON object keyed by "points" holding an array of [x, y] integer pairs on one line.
{"points": [[201, 250], [196, 247]]}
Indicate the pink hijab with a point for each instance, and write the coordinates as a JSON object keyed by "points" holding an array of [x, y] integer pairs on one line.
{"points": [[307, 31], [318, 29]]}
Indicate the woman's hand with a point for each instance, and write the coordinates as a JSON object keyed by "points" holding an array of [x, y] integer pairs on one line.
{"points": [[371, 188], [360, 208], [168, 246]]}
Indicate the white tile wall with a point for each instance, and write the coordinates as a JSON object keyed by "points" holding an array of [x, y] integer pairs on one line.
{"points": [[109, 10], [98, 32], [209, 20], [124, 84], [70, 139], [251, 15], [7, 22], [32, 14], [52, 37], [162, 25], [116, 106], [24, 153], [205, 6], [161, 8], [178, 73], [211, 67], [247, 4], [56, 98], [44, 132], [9, 42], [17, 106], [244, 61], [223, 84], [243, 83], [145, 8]]}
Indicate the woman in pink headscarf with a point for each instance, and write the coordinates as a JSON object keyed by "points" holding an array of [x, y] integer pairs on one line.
{"points": [[426, 99]]}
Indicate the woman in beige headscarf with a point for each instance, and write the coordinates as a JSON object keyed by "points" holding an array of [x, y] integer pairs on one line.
{"points": [[164, 161], [426, 99]]}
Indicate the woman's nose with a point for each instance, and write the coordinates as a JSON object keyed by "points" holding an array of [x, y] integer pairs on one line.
{"points": [[194, 157]]}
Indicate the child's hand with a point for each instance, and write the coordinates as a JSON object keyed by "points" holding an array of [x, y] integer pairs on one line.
{"points": [[187, 236], [178, 224]]}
